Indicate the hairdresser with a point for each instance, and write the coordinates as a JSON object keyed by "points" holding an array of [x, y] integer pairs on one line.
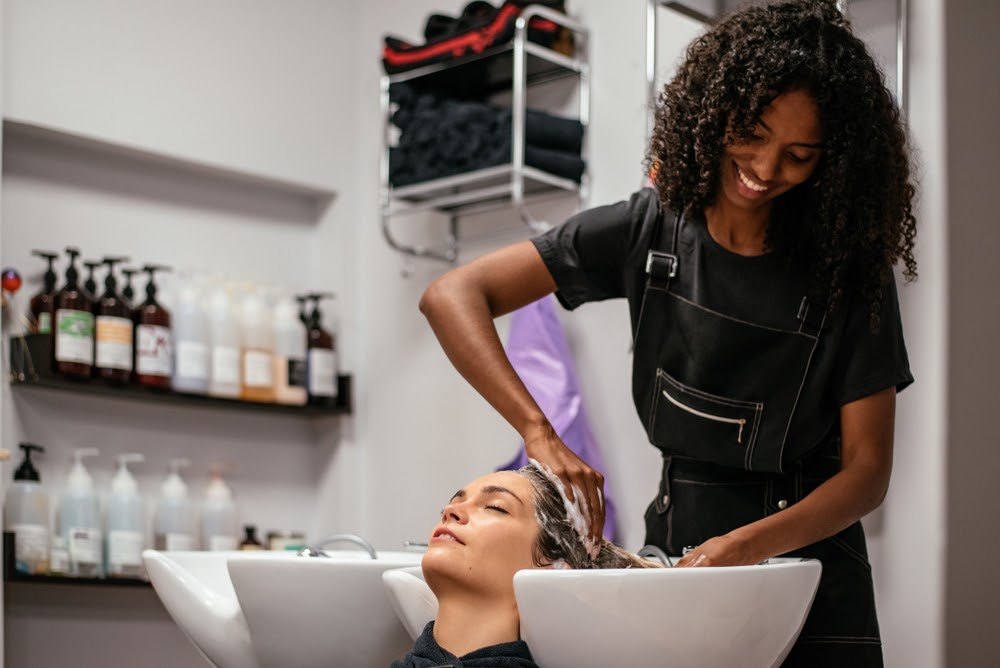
{"points": [[768, 347]]}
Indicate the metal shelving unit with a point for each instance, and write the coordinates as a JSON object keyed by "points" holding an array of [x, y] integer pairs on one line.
{"points": [[514, 66]]}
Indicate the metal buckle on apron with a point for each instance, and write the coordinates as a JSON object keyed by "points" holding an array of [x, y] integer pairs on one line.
{"points": [[809, 323], [661, 266]]}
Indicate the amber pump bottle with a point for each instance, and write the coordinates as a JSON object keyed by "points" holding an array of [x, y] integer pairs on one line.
{"points": [[154, 358], [321, 358], [73, 340], [41, 304], [113, 331]]}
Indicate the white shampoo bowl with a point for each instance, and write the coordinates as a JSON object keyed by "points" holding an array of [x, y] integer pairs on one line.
{"points": [[746, 616], [322, 612]]}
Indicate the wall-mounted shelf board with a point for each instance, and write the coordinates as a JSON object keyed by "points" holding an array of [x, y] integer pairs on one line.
{"points": [[40, 137], [30, 370]]}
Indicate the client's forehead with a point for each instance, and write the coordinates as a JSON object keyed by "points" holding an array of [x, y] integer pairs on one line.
{"points": [[502, 483]]}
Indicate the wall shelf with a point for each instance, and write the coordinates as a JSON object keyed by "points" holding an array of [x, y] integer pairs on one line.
{"points": [[29, 370]]}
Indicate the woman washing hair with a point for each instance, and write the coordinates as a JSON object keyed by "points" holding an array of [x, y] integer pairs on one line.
{"points": [[491, 528]]}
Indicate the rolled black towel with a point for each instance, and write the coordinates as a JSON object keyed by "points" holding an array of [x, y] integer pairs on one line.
{"points": [[567, 165], [548, 131]]}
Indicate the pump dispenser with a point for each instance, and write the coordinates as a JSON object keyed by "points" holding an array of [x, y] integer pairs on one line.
{"points": [[191, 344], [113, 336], [40, 321], [289, 354], [90, 285], [128, 292], [258, 349], [154, 363], [218, 516], [126, 522], [73, 345], [321, 365], [174, 522], [80, 519], [26, 514]]}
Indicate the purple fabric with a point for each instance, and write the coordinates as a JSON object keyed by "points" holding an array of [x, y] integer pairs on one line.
{"points": [[538, 350]]}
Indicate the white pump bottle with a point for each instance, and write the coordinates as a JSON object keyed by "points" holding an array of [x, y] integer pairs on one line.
{"points": [[174, 525], [80, 519], [126, 522], [218, 516]]}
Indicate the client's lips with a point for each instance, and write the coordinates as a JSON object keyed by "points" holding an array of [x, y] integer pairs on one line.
{"points": [[443, 533]]}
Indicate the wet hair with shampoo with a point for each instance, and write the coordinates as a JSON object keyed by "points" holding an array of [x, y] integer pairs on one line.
{"points": [[559, 542]]}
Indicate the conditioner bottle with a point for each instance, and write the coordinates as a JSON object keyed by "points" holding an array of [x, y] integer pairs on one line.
{"points": [[174, 521], [26, 514], [126, 523], [224, 338], [258, 350], [218, 516], [191, 342], [80, 520]]}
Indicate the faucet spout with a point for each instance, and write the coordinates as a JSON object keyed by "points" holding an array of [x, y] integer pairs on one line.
{"points": [[317, 549]]}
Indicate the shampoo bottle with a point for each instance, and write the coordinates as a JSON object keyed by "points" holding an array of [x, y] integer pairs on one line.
{"points": [[289, 354], [258, 350], [218, 516], [224, 336], [154, 363], [174, 522], [80, 520], [114, 329], [42, 303], [26, 514], [321, 364], [73, 345], [191, 342], [126, 523]]}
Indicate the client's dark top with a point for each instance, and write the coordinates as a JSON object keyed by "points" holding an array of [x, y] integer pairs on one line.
{"points": [[427, 653]]}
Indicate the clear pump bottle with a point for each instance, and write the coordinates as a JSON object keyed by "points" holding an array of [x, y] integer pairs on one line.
{"points": [[26, 514], [191, 341], [218, 516], [80, 520], [174, 521], [289, 354], [224, 337], [126, 523], [258, 350]]}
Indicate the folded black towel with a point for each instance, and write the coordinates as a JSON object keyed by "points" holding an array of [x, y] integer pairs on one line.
{"points": [[428, 654]]}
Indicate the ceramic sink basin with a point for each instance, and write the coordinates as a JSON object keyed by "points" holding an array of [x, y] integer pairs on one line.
{"points": [[746, 616], [263, 609]]}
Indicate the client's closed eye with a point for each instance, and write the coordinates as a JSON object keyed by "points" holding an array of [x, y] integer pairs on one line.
{"points": [[498, 509]]}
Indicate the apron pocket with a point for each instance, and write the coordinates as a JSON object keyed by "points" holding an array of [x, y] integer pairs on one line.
{"points": [[688, 422]]}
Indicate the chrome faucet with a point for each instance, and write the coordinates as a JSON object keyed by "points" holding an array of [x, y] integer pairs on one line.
{"points": [[317, 549]]}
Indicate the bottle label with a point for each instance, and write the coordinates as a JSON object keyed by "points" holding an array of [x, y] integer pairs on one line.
{"points": [[31, 548], [153, 353], [322, 372], [58, 559], [125, 553], [221, 543], [178, 541], [257, 369], [74, 336], [85, 551], [45, 323], [296, 372], [114, 343], [225, 365], [192, 360]]}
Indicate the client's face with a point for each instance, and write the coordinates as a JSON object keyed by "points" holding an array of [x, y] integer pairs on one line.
{"points": [[487, 533]]}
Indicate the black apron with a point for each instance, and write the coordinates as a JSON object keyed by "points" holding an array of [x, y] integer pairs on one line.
{"points": [[717, 396]]}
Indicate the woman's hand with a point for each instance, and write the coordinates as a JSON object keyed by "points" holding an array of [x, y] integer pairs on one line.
{"points": [[720, 551], [582, 485]]}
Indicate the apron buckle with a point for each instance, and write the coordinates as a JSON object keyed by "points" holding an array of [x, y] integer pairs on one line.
{"points": [[660, 265]]}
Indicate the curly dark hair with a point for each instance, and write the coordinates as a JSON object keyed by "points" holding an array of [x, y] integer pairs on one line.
{"points": [[857, 205]]}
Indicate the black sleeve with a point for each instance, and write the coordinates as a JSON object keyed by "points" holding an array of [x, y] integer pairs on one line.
{"points": [[588, 253], [869, 362]]}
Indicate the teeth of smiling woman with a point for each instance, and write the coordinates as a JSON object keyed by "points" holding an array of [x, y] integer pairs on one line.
{"points": [[748, 183]]}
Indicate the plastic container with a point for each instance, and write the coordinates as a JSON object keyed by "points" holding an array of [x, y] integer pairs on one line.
{"points": [[80, 520], [154, 351], [174, 527], [289, 354], [219, 528], [257, 354], [26, 514], [192, 356], [126, 523], [225, 341]]}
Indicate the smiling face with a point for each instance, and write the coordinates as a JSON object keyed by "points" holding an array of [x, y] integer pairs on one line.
{"points": [[486, 534], [783, 152]]}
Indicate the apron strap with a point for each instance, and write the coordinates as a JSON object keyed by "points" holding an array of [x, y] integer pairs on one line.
{"points": [[662, 266], [811, 317]]}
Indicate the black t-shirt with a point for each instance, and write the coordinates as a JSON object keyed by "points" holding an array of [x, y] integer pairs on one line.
{"points": [[601, 254]]}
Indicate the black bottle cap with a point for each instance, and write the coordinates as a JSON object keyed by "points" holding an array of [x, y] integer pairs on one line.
{"points": [[110, 284], [26, 471], [151, 269], [50, 274], [71, 273]]}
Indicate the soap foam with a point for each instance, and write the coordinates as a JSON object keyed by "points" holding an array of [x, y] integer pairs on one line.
{"points": [[576, 510]]}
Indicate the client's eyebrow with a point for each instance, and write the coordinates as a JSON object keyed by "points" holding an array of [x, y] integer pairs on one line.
{"points": [[488, 489]]}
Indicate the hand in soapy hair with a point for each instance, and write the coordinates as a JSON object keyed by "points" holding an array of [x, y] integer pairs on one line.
{"points": [[719, 551], [582, 486]]}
